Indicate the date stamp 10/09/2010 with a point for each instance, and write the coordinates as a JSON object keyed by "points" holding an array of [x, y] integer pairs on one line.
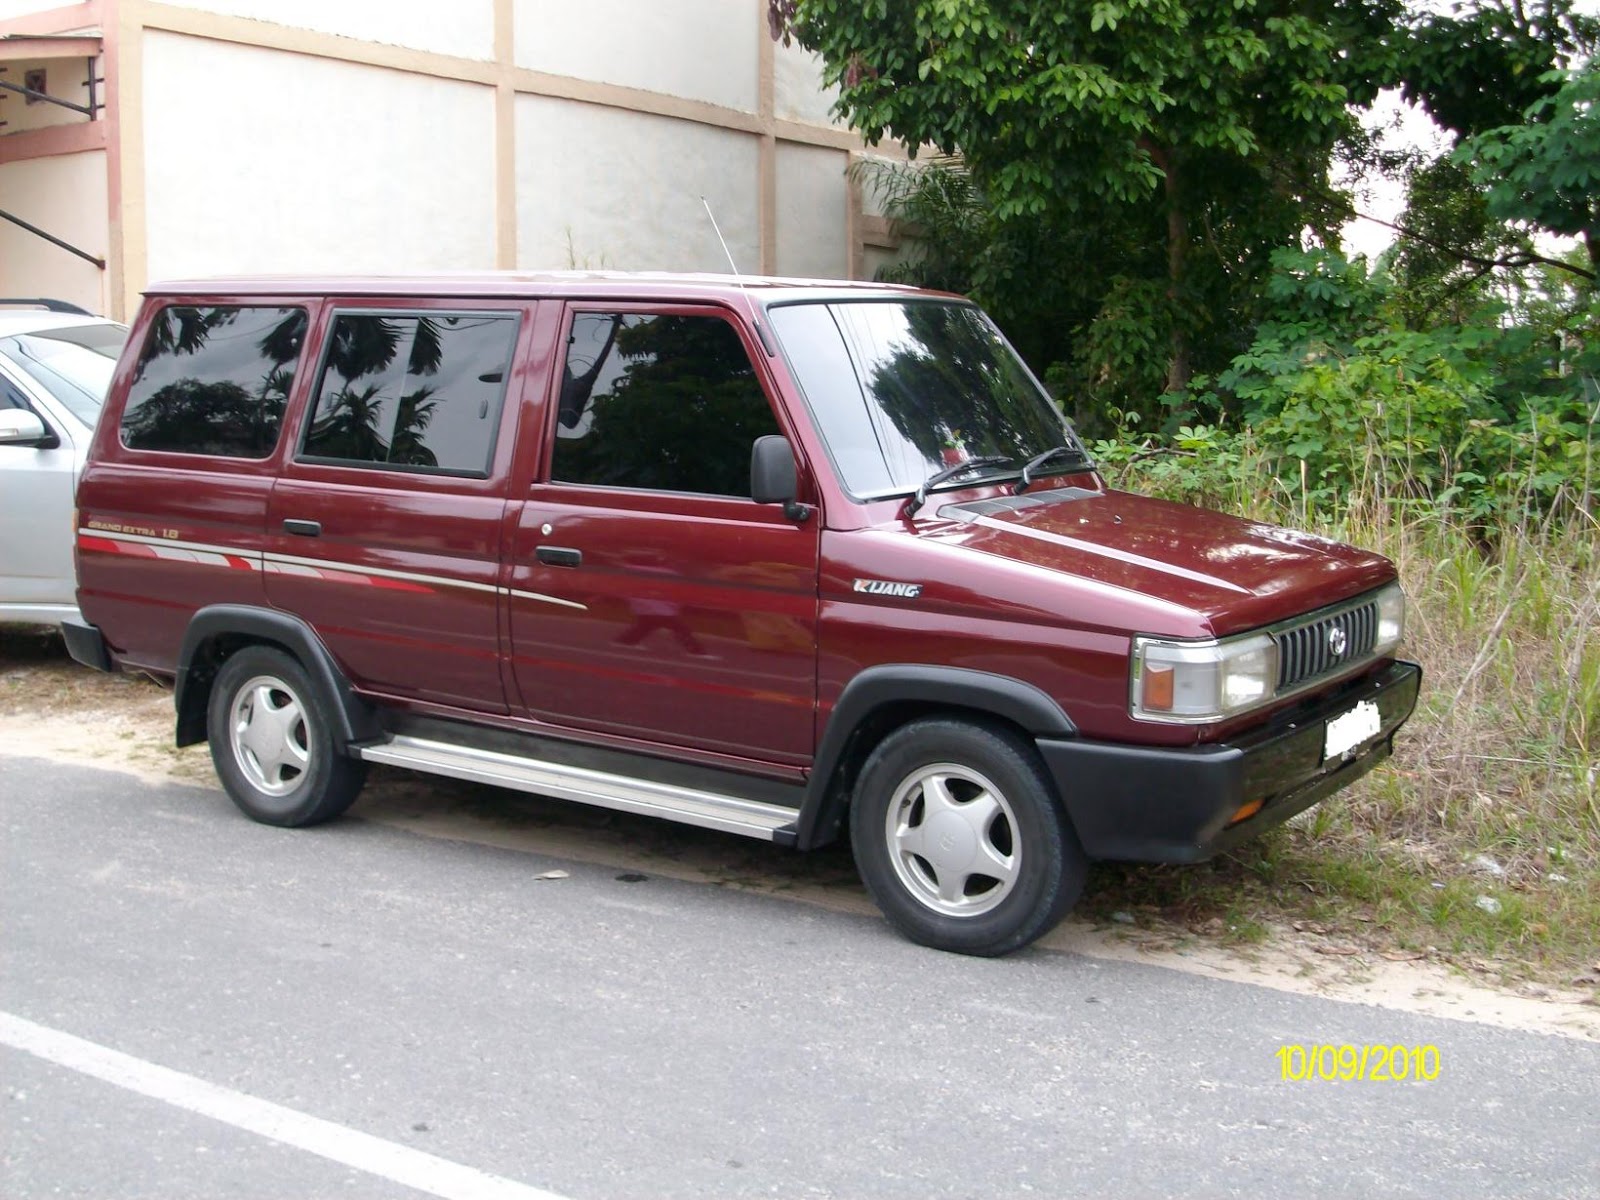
{"points": [[1329, 1063]]}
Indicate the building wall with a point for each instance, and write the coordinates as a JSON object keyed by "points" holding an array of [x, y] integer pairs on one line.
{"points": [[602, 187], [54, 170], [374, 135], [698, 49], [66, 79], [463, 28], [66, 195], [812, 190], [797, 84], [400, 179]]}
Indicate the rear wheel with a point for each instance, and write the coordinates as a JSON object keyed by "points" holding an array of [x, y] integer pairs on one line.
{"points": [[960, 839], [271, 741]]}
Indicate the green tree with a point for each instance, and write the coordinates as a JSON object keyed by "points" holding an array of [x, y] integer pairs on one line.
{"points": [[1545, 171], [1484, 64], [1453, 253], [1204, 126]]}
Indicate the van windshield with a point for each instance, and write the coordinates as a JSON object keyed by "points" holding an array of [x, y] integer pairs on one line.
{"points": [[903, 389]]}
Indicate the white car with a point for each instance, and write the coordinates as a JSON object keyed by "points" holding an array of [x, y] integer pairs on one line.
{"points": [[54, 370]]}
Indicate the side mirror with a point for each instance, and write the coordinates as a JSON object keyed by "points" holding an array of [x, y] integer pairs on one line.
{"points": [[19, 427], [772, 476]]}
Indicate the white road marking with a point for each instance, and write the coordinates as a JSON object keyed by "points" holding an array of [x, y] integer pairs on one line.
{"points": [[389, 1160]]}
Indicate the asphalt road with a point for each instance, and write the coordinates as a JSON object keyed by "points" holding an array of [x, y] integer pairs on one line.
{"points": [[195, 1006]]}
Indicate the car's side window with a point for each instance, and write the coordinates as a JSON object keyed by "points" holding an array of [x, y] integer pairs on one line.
{"points": [[412, 391], [214, 380], [667, 402], [11, 396]]}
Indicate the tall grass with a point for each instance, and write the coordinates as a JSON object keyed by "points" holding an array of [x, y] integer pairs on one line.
{"points": [[1500, 765]]}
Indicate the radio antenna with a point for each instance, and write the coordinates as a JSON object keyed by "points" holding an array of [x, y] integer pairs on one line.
{"points": [[761, 330]]}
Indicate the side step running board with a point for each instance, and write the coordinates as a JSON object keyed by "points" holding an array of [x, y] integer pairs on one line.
{"points": [[769, 822]]}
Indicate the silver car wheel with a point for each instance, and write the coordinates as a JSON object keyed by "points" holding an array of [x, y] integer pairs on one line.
{"points": [[952, 840], [267, 733]]}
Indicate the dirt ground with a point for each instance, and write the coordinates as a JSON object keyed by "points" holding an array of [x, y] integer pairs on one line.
{"points": [[54, 709]]}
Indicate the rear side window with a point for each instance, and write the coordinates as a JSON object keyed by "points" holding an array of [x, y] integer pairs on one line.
{"points": [[214, 380], [413, 392], [664, 402]]}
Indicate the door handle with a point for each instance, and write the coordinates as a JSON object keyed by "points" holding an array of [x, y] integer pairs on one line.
{"points": [[559, 556], [303, 528]]}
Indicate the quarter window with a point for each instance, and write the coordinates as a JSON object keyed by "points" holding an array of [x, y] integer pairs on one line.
{"points": [[413, 392], [11, 396], [665, 402], [214, 380]]}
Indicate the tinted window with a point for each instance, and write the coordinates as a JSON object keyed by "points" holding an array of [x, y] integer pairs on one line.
{"points": [[668, 403], [417, 392], [214, 380]]}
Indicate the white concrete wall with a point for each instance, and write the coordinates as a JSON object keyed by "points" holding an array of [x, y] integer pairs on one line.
{"points": [[604, 187], [64, 195], [700, 49], [813, 212], [464, 28], [314, 165], [798, 94]]}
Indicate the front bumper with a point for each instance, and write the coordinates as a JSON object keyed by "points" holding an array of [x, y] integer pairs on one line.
{"points": [[1147, 804]]}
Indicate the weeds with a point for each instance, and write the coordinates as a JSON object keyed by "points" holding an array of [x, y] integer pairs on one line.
{"points": [[1480, 840]]}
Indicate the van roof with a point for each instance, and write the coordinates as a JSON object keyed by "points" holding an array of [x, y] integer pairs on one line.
{"points": [[654, 285]]}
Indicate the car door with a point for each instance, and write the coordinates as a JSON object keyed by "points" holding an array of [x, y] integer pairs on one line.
{"points": [[651, 599], [384, 529], [36, 483]]}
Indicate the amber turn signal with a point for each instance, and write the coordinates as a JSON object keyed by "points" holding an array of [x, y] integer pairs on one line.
{"points": [[1157, 690], [1246, 811]]}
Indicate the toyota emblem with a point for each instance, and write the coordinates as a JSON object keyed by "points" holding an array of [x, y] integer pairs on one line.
{"points": [[1337, 641]]}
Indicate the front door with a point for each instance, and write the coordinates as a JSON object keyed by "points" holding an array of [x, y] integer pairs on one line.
{"points": [[651, 599], [36, 484]]}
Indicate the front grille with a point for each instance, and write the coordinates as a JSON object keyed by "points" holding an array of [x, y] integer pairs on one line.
{"points": [[1307, 652]]}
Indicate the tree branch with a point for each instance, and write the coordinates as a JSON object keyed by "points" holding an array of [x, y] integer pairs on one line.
{"points": [[1477, 260], [1462, 285]]}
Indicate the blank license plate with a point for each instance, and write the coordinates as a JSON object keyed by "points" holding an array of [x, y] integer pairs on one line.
{"points": [[1362, 723]]}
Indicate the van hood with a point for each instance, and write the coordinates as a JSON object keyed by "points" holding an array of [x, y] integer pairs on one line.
{"points": [[1237, 574]]}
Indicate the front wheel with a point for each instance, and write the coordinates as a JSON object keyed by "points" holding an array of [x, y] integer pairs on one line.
{"points": [[271, 742], [960, 839]]}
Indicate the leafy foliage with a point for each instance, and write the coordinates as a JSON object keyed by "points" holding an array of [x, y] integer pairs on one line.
{"points": [[1545, 171], [1134, 187], [1446, 268], [1481, 66], [1335, 400], [1146, 153], [1074, 104]]}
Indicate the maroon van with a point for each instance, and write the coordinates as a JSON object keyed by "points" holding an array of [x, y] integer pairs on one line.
{"points": [[775, 557]]}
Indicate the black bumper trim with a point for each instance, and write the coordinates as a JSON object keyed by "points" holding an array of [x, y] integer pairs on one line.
{"points": [[1148, 804], [86, 645]]}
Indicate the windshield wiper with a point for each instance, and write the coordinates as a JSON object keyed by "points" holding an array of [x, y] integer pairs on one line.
{"points": [[950, 472], [1039, 460]]}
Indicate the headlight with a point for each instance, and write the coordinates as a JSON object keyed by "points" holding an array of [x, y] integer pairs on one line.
{"points": [[1195, 682], [1391, 619]]}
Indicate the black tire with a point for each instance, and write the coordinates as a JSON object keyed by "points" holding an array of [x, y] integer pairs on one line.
{"points": [[268, 727], [975, 797]]}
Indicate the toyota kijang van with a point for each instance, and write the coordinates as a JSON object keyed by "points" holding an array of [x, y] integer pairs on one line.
{"points": [[782, 558]]}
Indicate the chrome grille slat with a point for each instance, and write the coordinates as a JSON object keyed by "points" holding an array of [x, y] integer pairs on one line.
{"points": [[1305, 652]]}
